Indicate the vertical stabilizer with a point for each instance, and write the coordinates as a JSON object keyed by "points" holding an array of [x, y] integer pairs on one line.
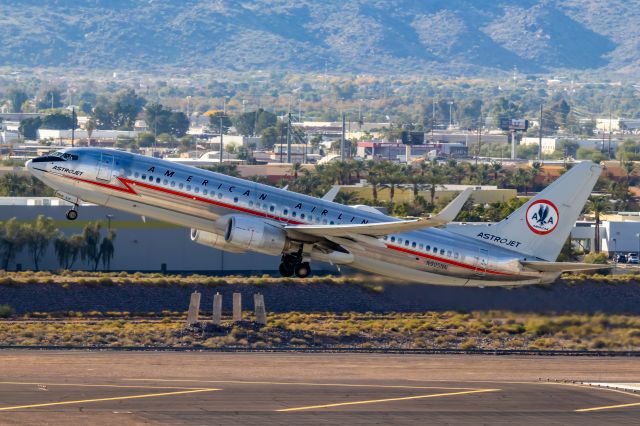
{"points": [[541, 226]]}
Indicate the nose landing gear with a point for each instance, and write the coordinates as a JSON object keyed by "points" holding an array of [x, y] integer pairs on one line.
{"points": [[73, 213]]}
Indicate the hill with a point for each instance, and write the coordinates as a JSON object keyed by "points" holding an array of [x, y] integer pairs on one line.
{"points": [[358, 36]]}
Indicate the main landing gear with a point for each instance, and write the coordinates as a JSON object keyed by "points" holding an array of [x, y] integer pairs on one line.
{"points": [[292, 264], [73, 213]]}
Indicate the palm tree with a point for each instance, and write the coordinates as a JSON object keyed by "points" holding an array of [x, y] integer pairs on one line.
{"points": [[434, 179], [295, 169], [496, 166], [597, 205], [392, 176]]}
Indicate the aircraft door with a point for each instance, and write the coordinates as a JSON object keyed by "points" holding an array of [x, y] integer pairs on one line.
{"points": [[105, 167], [482, 260]]}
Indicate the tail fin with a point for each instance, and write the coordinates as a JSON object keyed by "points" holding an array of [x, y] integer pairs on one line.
{"points": [[541, 226]]}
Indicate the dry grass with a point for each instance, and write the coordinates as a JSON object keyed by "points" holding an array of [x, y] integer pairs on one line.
{"points": [[481, 330]]}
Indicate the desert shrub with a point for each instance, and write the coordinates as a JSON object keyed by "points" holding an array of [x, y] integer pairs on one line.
{"points": [[6, 311]]}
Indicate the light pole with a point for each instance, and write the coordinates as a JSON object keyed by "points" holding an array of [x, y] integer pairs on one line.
{"points": [[450, 115]]}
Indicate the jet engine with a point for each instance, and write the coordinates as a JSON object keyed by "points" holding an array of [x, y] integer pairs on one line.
{"points": [[248, 233], [211, 239]]}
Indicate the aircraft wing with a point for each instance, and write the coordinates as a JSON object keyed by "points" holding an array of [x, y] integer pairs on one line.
{"points": [[447, 215], [562, 266]]}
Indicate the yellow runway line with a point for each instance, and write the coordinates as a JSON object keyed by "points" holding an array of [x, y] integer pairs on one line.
{"points": [[346, 385], [116, 398], [375, 401], [608, 407], [84, 385]]}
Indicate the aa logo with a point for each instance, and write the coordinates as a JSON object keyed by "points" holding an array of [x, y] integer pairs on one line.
{"points": [[542, 217]]}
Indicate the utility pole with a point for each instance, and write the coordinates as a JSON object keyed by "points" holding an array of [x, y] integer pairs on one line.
{"points": [[540, 135], [73, 126], [289, 138], [479, 139], [433, 118], [342, 140], [609, 133], [221, 141]]}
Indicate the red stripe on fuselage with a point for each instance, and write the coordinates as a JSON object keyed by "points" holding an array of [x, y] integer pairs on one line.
{"points": [[131, 183], [443, 260]]}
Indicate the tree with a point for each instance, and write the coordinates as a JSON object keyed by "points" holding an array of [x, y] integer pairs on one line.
{"points": [[17, 97], [269, 137], [90, 126], [253, 123], [597, 206], [216, 118], [50, 99], [107, 250], [57, 121], [29, 127], [90, 251], [68, 249], [162, 120], [38, 237], [118, 112], [11, 241]]}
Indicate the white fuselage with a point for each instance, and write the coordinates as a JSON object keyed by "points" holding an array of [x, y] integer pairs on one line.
{"points": [[196, 198]]}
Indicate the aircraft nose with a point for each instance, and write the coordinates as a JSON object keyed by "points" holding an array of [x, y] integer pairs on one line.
{"points": [[28, 165]]}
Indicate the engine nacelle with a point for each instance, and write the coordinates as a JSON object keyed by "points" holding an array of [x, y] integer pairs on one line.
{"points": [[211, 239], [248, 233]]}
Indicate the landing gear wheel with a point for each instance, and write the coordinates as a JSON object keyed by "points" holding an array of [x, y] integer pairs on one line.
{"points": [[303, 270], [286, 270], [72, 214]]}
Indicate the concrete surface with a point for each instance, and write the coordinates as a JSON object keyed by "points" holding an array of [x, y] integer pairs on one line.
{"points": [[230, 389]]}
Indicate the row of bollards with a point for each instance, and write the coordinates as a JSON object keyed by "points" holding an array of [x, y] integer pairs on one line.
{"points": [[258, 304]]}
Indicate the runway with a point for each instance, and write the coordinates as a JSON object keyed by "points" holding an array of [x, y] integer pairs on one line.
{"points": [[230, 389]]}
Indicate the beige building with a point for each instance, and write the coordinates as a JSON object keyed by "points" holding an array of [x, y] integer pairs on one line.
{"points": [[548, 144], [486, 194]]}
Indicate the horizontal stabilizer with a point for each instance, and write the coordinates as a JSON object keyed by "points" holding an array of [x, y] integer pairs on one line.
{"points": [[562, 266]]}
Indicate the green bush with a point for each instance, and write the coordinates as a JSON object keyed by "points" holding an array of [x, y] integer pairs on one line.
{"points": [[596, 258], [6, 311]]}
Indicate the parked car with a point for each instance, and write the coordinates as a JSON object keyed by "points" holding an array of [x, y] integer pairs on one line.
{"points": [[632, 258], [620, 258]]}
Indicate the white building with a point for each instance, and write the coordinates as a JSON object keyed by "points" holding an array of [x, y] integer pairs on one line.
{"points": [[548, 144]]}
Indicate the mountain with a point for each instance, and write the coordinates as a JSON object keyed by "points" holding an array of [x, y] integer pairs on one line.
{"points": [[355, 36]]}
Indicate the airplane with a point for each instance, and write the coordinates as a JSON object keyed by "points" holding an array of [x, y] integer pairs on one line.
{"points": [[238, 215]]}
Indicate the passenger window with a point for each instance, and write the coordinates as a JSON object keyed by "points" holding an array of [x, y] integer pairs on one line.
{"points": [[136, 174], [250, 202], [324, 221], [448, 253], [188, 187], [173, 183], [301, 215], [181, 186], [144, 176], [413, 244], [219, 194], [428, 248], [294, 214], [393, 239], [164, 182], [235, 199], [406, 243], [197, 190], [150, 178], [435, 250], [442, 251], [205, 192], [399, 240], [455, 255], [421, 246], [272, 208], [157, 180], [285, 212]]}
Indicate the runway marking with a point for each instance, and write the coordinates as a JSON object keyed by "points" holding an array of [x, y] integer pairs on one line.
{"points": [[115, 398], [348, 385], [98, 385], [375, 401], [607, 407]]}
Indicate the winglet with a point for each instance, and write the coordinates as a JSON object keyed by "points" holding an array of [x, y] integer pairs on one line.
{"points": [[331, 194], [449, 213]]}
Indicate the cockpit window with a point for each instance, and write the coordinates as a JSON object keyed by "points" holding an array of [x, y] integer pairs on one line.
{"points": [[64, 156]]}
